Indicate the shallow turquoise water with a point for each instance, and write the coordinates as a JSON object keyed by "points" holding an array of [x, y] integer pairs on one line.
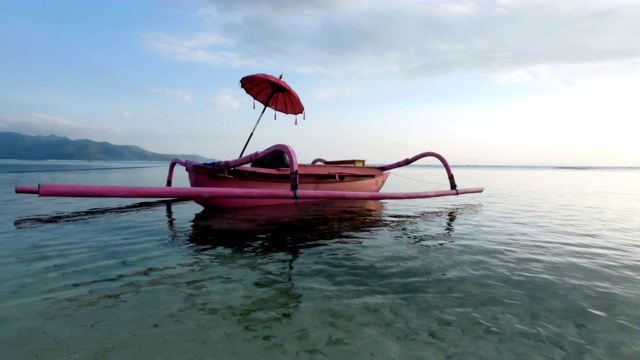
{"points": [[545, 264]]}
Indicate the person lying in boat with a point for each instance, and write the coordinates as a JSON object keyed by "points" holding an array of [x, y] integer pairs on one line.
{"points": [[274, 160]]}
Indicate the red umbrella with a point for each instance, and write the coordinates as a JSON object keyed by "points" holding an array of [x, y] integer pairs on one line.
{"points": [[272, 92]]}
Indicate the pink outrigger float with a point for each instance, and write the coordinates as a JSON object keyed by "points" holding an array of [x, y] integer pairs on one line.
{"points": [[252, 181]]}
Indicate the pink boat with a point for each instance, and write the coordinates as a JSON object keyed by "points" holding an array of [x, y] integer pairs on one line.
{"points": [[269, 177]]}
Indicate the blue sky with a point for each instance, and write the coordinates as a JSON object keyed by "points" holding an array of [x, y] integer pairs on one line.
{"points": [[505, 82]]}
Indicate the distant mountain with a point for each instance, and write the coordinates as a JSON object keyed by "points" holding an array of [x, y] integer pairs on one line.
{"points": [[25, 147]]}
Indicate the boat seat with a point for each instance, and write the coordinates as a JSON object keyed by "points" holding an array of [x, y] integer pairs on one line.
{"points": [[354, 162], [274, 160]]}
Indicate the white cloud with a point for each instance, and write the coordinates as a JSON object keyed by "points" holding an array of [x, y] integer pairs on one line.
{"points": [[570, 73], [225, 100], [334, 92], [46, 124], [127, 115], [52, 120], [194, 48], [513, 77], [409, 38], [185, 96], [457, 8]]}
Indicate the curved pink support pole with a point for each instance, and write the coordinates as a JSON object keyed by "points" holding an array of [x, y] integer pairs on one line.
{"points": [[172, 165], [405, 162], [293, 162]]}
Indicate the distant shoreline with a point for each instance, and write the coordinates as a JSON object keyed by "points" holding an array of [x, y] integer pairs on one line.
{"points": [[15, 146]]}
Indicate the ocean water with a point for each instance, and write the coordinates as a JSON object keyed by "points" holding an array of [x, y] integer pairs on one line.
{"points": [[545, 264]]}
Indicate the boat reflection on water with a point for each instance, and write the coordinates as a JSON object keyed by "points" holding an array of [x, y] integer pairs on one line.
{"points": [[264, 243], [272, 228], [238, 265], [93, 213], [286, 227]]}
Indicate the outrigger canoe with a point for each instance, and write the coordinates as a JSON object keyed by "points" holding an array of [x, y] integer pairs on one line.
{"points": [[269, 177]]}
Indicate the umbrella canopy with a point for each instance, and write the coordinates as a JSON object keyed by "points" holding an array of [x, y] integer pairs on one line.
{"points": [[271, 92]]}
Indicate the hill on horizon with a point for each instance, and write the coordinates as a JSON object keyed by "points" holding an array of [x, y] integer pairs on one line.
{"points": [[26, 147]]}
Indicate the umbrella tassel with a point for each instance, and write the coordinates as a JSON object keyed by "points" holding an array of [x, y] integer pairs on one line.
{"points": [[254, 104], [304, 115], [274, 116], [296, 119]]}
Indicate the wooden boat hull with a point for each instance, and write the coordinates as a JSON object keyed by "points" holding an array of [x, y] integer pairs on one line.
{"points": [[310, 177]]}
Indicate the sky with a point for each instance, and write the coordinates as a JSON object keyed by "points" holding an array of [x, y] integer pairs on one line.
{"points": [[507, 82]]}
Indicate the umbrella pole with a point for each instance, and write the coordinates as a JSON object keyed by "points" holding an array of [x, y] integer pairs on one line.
{"points": [[257, 122]]}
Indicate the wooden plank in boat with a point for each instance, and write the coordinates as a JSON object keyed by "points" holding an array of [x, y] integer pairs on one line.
{"points": [[353, 162]]}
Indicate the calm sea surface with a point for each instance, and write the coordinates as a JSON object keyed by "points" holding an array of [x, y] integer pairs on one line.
{"points": [[545, 264]]}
